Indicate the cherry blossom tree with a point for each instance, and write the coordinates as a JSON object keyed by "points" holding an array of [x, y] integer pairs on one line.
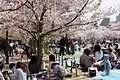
{"points": [[101, 32], [40, 18]]}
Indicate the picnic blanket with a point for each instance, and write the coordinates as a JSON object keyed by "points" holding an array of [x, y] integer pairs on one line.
{"points": [[78, 52], [114, 75]]}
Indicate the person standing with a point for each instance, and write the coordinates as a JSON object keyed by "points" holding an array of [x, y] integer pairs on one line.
{"points": [[67, 44], [11, 48], [82, 60], [32, 65], [112, 55], [72, 47], [62, 46]]}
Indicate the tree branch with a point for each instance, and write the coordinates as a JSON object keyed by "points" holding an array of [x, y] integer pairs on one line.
{"points": [[27, 31], [77, 14], [43, 13], [39, 21], [36, 16], [51, 31], [54, 30], [5, 10]]}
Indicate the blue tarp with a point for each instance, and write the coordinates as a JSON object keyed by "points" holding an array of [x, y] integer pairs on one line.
{"points": [[69, 60], [76, 42], [78, 52], [114, 75]]}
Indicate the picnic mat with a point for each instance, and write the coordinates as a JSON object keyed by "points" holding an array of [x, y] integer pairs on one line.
{"points": [[78, 52], [114, 75]]}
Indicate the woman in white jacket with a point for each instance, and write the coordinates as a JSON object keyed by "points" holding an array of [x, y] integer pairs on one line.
{"points": [[20, 71], [98, 53]]}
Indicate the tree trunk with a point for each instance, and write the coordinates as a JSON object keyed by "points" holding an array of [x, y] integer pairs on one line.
{"points": [[6, 51], [39, 52]]}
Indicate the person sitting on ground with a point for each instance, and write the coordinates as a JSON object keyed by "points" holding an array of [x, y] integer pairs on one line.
{"points": [[118, 63], [12, 66], [1, 68], [82, 60], [86, 59], [112, 55], [104, 65], [56, 72], [113, 58], [20, 71], [6, 75], [98, 53], [117, 53]]}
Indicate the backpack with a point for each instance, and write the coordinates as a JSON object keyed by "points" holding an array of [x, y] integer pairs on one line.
{"points": [[59, 71]]}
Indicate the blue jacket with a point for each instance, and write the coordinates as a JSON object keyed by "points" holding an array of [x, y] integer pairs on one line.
{"points": [[107, 65]]}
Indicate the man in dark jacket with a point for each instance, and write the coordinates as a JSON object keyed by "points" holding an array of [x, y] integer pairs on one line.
{"points": [[62, 45]]}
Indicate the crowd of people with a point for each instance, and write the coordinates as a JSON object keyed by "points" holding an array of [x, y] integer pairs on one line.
{"points": [[104, 56], [21, 71], [101, 55]]}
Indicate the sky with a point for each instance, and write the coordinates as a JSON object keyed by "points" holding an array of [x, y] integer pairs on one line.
{"points": [[112, 3]]}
